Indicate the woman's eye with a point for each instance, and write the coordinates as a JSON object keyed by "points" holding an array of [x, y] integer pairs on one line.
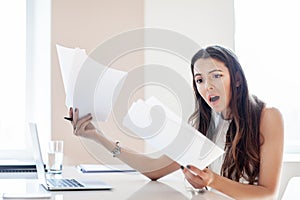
{"points": [[217, 76], [199, 80]]}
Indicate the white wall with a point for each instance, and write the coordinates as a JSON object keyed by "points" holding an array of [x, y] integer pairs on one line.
{"points": [[206, 22]]}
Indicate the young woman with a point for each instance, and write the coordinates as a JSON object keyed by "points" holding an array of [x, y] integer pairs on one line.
{"points": [[252, 139], [253, 143]]}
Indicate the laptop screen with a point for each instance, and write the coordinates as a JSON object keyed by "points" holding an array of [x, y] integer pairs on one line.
{"points": [[37, 154]]}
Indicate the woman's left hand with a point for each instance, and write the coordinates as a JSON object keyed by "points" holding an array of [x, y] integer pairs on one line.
{"points": [[198, 178]]}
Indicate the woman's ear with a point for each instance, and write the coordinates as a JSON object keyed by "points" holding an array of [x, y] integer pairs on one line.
{"points": [[238, 79]]}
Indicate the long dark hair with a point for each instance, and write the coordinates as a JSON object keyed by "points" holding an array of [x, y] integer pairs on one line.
{"points": [[242, 148]]}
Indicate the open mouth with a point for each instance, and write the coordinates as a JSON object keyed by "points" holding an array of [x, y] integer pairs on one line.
{"points": [[214, 98]]}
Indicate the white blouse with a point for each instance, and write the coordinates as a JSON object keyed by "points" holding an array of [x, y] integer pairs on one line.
{"points": [[217, 133]]}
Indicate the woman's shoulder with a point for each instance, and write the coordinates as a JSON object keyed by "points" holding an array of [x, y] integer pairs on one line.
{"points": [[271, 119], [270, 112]]}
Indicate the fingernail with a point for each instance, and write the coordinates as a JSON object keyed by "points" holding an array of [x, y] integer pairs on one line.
{"points": [[76, 109], [182, 167], [189, 167]]}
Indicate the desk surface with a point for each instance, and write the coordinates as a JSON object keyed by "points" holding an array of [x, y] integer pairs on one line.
{"points": [[292, 189], [125, 186]]}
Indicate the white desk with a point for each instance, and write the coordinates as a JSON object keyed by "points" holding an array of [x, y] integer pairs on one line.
{"points": [[292, 190], [125, 186], [290, 168]]}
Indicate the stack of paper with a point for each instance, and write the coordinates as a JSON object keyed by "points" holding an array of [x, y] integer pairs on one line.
{"points": [[166, 132], [89, 86], [94, 168]]}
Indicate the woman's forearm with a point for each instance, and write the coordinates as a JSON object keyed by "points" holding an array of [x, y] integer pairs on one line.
{"points": [[242, 191], [153, 168]]}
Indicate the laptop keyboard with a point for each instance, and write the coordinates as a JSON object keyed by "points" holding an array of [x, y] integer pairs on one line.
{"points": [[64, 183]]}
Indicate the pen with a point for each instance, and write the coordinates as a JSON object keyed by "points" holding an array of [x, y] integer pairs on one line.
{"points": [[68, 118]]}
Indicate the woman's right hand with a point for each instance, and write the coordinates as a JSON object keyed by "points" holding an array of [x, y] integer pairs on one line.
{"points": [[83, 126]]}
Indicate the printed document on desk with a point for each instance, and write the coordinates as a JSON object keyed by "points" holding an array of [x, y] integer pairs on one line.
{"points": [[97, 168], [164, 130], [86, 82]]}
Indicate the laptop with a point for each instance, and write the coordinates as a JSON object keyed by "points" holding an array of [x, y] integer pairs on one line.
{"points": [[59, 184]]}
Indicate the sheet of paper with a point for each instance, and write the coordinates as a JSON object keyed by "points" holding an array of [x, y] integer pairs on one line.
{"points": [[37, 195], [95, 168], [90, 86], [70, 61], [166, 132]]}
